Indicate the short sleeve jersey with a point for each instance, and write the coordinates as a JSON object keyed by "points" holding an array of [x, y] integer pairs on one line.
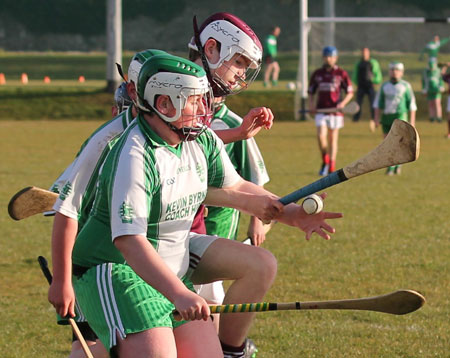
{"points": [[432, 81], [270, 46], [395, 98], [78, 182], [149, 188], [328, 86], [244, 154]]}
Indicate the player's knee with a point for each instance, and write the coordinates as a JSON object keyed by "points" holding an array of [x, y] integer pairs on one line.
{"points": [[263, 267]]}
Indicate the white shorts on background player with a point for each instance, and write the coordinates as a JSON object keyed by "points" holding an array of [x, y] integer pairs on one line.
{"points": [[331, 121]]}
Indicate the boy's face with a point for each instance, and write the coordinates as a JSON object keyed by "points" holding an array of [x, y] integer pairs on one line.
{"points": [[396, 73], [330, 60]]}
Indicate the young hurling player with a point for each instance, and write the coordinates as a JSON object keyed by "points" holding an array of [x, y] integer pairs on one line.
{"points": [[327, 83], [393, 101], [131, 257]]}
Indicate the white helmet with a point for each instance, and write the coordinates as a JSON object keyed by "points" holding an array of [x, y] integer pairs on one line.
{"points": [[234, 37]]}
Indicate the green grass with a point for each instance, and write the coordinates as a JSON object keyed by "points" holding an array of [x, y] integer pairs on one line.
{"points": [[395, 234]]}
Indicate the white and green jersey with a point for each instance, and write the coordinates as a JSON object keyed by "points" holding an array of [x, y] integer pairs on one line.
{"points": [[395, 98], [432, 81], [248, 162], [244, 154], [147, 187], [77, 185]]}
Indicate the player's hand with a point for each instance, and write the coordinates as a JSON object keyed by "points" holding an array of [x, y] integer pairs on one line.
{"points": [[191, 306], [255, 120], [310, 224], [265, 208], [256, 231], [340, 105], [62, 296]]}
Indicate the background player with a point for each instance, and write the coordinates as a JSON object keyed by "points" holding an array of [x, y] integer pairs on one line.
{"points": [[272, 70], [432, 86], [366, 74], [393, 101], [328, 82], [446, 78]]}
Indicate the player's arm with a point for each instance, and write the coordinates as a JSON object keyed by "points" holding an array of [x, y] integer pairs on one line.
{"points": [[377, 105], [61, 293], [253, 199], [145, 261], [348, 88], [253, 122]]}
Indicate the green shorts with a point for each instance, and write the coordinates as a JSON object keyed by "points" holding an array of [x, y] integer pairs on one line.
{"points": [[116, 301], [223, 222], [433, 95]]}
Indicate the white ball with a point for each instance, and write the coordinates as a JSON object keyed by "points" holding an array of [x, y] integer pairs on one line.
{"points": [[290, 86], [312, 204]]}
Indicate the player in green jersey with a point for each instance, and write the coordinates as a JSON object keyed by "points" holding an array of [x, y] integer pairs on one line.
{"points": [[395, 100], [432, 48], [272, 70], [432, 87], [131, 257]]}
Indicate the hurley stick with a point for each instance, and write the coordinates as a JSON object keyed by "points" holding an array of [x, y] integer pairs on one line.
{"points": [[398, 303], [30, 201], [401, 145], [45, 270]]}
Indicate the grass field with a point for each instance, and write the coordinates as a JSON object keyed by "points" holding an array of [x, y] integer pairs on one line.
{"points": [[395, 231], [395, 234]]}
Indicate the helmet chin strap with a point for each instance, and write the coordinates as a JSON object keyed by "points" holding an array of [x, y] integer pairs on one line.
{"points": [[187, 134]]}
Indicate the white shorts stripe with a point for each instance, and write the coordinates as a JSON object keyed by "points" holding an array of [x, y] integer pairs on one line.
{"points": [[118, 324], [102, 300]]}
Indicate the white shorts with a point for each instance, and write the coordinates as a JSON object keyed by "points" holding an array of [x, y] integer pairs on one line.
{"points": [[198, 244], [331, 121], [448, 103], [212, 292]]}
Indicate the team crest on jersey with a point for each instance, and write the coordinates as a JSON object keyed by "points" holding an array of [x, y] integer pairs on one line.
{"points": [[126, 213], [200, 172], [261, 165], [65, 191]]}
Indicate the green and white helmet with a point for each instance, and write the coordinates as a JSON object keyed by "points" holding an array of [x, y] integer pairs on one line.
{"points": [[396, 65], [138, 60], [178, 79]]}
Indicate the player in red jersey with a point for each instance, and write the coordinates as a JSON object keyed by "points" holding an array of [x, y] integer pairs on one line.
{"points": [[328, 82]]}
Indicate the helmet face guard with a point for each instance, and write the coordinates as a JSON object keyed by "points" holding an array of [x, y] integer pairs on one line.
{"points": [[234, 37], [187, 87], [121, 98]]}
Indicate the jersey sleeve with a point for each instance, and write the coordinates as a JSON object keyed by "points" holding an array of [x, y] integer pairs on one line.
{"points": [[411, 99], [129, 194], [312, 87], [346, 83], [376, 71], [379, 99], [221, 172], [80, 183]]}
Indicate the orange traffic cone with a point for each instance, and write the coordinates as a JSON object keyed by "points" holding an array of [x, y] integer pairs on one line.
{"points": [[81, 79], [46, 79], [2, 79], [24, 78]]}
